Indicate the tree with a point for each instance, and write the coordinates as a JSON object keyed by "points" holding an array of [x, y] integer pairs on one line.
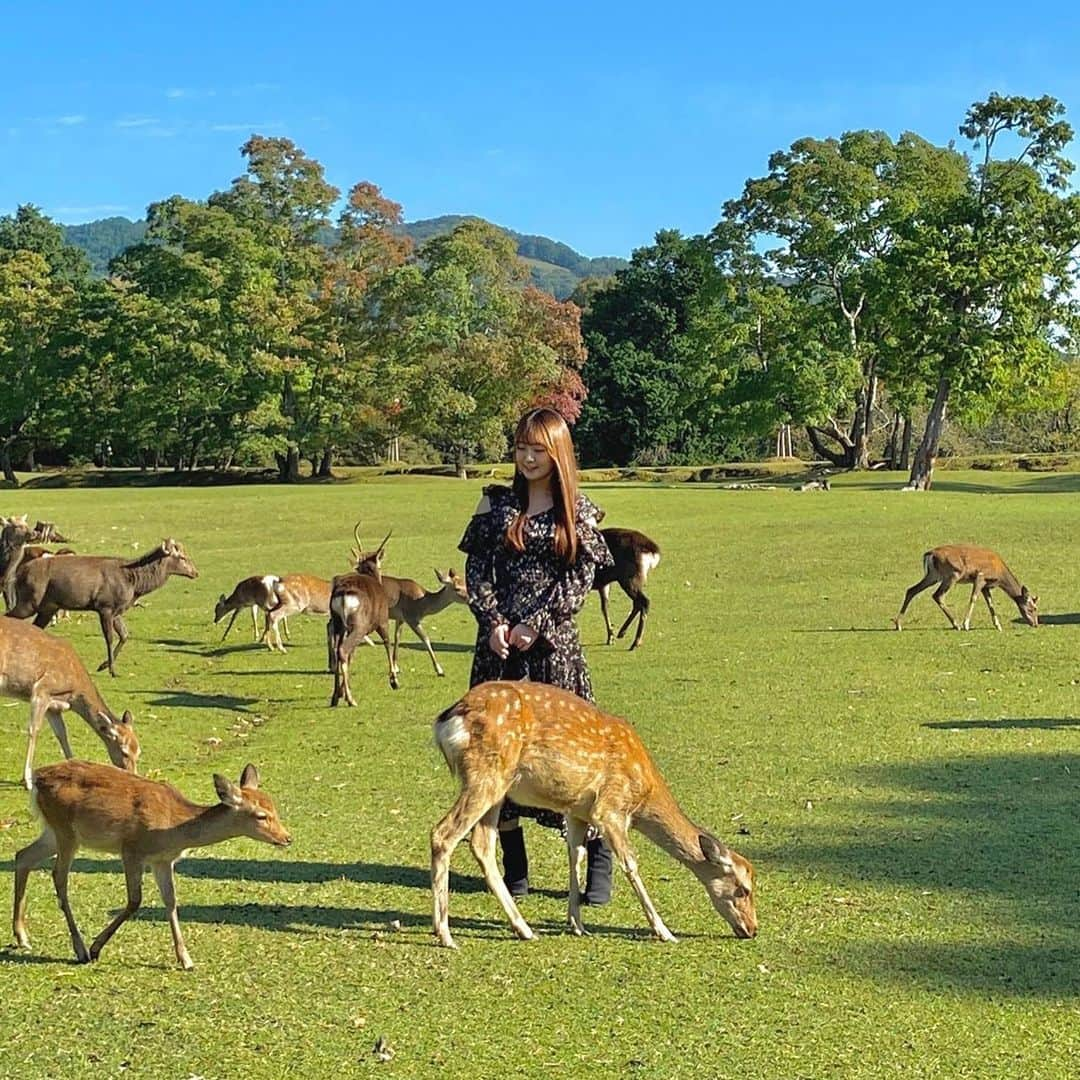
{"points": [[984, 281]]}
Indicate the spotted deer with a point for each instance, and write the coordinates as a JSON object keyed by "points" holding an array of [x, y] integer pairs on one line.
{"points": [[45, 671], [545, 747], [984, 569], [143, 821]]}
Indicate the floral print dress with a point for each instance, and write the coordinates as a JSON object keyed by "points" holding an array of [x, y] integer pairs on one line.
{"points": [[532, 587]]}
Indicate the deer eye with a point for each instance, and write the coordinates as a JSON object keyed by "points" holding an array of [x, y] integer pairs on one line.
{"points": [[261, 815]]}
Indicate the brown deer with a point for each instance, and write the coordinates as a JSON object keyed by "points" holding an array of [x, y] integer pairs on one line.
{"points": [[15, 535], [47, 672], [985, 569], [358, 607], [98, 583], [634, 556], [410, 602], [545, 747], [259, 593], [142, 821], [297, 594]]}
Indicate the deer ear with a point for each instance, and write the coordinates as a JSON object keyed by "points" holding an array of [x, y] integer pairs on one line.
{"points": [[249, 778], [715, 852], [228, 792], [1034, 600], [127, 718], [107, 726]]}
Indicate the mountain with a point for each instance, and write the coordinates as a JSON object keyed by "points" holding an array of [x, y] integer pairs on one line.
{"points": [[555, 267]]}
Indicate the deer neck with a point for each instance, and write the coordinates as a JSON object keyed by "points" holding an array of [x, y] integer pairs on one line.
{"points": [[661, 819], [145, 579], [434, 602], [200, 827], [1009, 585]]}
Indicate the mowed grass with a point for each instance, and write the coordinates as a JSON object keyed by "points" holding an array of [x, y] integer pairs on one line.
{"points": [[910, 802]]}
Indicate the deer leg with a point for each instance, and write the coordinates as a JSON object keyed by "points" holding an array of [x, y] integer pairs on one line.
{"points": [[481, 802], [990, 605], [483, 844], [397, 639], [575, 848], [285, 627], [39, 707], [255, 622], [421, 633], [939, 599], [166, 883], [918, 587], [236, 611], [640, 609], [614, 829], [122, 634], [29, 858], [133, 868], [43, 616], [385, 636], [65, 855], [105, 618], [976, 588], [56, 722], [605, 593]]}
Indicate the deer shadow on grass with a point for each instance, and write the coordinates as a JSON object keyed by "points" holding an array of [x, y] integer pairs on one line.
{"points": [[1070, 618], [1043, 723], [964, 830], [185, 699]]}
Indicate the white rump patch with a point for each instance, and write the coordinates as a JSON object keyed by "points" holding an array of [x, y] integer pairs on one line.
{"points": [[270, 581], [451, 738], [350, 602], [649, 561]]}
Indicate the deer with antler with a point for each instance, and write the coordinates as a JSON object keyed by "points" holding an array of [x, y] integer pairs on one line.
{"points": [[545, 747], [45, 671], [358, 607], [142, 821], [984, 569]]}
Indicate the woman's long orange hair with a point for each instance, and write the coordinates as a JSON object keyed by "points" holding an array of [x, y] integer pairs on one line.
{"points": [[548, 429]]}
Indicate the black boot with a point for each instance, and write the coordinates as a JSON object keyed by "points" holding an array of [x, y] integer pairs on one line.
{"points": [[515, 861], [598, 883]]}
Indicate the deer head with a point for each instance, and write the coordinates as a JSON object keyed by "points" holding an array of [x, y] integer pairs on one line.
{"points": [[729, 880], [121, 741], [180, 563], [255, 811], [454, 585], [369, 562], [1028, 607]]}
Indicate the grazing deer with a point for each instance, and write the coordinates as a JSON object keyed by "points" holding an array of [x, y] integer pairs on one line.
{"points": [[98, 583], [358, 607], [297, 594], [260, 593], [142, 821], [410, 602], [634, 555], [15, 535], [545, 747], [47, 672], [985, 569]]}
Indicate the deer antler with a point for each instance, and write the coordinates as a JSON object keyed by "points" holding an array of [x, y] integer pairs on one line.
{"points": [[379, 549]]}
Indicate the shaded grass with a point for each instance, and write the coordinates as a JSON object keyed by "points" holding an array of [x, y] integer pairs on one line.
{"points": [[909, 801]]}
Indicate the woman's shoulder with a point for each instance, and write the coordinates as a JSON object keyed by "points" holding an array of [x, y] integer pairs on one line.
{"points": [[586, 512], [495, 497]]}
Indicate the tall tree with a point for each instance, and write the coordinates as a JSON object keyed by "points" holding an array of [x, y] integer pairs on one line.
{"points": [[984, 282]]}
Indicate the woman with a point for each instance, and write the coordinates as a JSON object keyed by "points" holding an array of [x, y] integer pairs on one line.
{"points": [[533, 550]]}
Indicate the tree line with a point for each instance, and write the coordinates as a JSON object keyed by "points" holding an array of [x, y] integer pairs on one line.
{"points": [[860, 282]]}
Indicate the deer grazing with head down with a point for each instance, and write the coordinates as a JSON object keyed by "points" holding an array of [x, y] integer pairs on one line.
{"points": [[634, 555], [984, 569], [545, 747], [259, 593], [142, 821], [46, 671], [358, 607], [410, 602], [98, 583]]}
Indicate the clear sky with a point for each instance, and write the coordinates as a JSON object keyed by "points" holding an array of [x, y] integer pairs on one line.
{"points": [[594, 123]]}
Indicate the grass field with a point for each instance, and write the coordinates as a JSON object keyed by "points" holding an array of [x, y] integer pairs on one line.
{"points": [[910, 802]]}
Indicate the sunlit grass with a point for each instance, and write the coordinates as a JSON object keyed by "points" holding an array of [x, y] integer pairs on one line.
{"points": [[909, 800]]}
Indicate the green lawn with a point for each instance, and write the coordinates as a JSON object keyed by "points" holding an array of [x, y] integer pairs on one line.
{"points": [[910, 802]]}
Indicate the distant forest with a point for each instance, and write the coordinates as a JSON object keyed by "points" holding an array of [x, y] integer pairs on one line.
{"points": [[555, 267]]}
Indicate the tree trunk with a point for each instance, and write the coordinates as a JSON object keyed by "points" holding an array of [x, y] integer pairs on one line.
{"points": [[325, 464], [905, 445], [459, 461], [6, 466], [922, 469], [289, 465], [29, 464], [841, 460], [892, 443]]}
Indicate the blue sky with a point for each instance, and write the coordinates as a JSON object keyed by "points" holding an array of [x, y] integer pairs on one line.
{"points": [[592, 123]]}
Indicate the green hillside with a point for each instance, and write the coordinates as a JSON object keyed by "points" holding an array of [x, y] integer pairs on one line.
{"points": [[555, 267]]}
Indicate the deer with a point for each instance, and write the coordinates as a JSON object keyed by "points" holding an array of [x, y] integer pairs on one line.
{"points": [[984, 569], [46, 672], [143, 821], [107, 585], [297, 594], [15, 535], [259, 593], [409, 602], [634, 555], [546, 747], [358, 607]]}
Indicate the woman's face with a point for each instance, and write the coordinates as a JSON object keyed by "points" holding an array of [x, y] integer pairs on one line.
{"points": [[533, 461]]}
